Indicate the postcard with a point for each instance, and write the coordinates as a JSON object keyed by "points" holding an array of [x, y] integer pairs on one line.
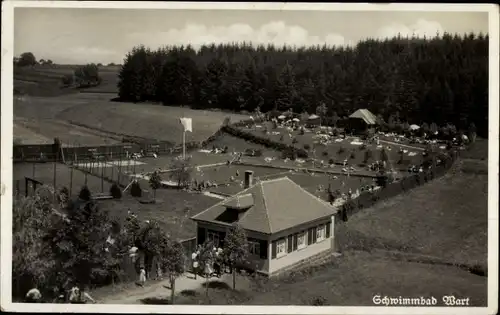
{"points": [[249, 158]]}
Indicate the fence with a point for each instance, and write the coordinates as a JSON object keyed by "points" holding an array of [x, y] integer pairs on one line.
{"points": [[46, 152]]}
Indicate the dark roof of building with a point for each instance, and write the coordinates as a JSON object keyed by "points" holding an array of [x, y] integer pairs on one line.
{"points": [[368, 117], [275, 205]]}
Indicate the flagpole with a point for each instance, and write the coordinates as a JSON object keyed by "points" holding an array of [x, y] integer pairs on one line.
{"points": [[184, 145]]}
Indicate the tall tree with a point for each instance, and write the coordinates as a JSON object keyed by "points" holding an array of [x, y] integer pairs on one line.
{"points": [[173, 259], [32, 264], [235, 249], [79, 243], [155, 182], [423, 80]]}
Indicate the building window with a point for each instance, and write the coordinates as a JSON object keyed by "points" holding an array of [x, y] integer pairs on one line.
{"points": [[254, 248], [214, 238], [281, 247], [301, 240], [320, 233]]}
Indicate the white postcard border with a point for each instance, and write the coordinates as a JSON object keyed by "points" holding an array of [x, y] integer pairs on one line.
{"points": [[7, 139]]}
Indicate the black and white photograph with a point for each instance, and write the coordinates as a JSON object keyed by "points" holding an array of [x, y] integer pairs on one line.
{"points": [[248, 157]]}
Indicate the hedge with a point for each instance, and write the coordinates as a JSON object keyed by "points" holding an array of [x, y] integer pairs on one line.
{"points": [[232, 130]]}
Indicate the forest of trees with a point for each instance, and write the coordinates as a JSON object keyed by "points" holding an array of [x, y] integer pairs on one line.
{"points": [[443, 80]]}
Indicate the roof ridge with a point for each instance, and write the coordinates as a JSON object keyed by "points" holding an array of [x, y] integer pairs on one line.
{"points": [[265, 208], [223, 201], [274, 179], [312, 195]]}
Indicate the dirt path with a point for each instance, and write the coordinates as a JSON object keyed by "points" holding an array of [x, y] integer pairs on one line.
{"points": [[402, 145], [157, 290]]}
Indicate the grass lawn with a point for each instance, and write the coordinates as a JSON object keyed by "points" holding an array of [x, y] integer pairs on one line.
{"points": [[352, 279], [24, 135], [236, 144], [477, 151], [332, 150], [44, 172], [70, 135], [169, 211], [447, 218], [146, 120]]}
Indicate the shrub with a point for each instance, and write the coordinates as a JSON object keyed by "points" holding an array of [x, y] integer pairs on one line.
{"points": [[135, 189], [85, 194], [331, 161], [318, 301], [115, 191], [362, 147], [302, 132], [368, 156], [257, 152], [341, 150], [382, 179], [302, 154], [307, 146], [325, 153], [294, 140]]}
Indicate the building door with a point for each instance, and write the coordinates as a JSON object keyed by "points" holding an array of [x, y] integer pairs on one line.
{"points": [[214, 237]]}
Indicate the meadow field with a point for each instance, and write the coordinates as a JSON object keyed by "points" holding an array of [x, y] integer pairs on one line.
{"points": [[30, 131], [97, 113], [45, 80], [146, 120], [446, 218], [91, 110]]}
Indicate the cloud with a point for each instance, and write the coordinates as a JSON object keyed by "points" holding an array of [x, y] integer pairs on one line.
{"points": [[91, 54], [276, 32], [421, 28]]}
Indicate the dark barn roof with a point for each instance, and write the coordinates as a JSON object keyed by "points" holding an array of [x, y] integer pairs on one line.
{"points": [[368, 117]]}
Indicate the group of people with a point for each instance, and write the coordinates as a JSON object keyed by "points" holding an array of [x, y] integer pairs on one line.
{"points": [[74, 296], [211, 266]]}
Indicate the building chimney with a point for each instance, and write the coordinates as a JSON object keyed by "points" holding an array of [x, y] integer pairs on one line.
{"points": [[248, 179]]}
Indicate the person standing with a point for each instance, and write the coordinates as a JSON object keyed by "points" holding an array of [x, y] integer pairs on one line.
{"points": [[33, 296], [142, 276], [194, 258]]}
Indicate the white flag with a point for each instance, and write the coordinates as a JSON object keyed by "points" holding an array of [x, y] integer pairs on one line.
{"points": [[187, 123]]}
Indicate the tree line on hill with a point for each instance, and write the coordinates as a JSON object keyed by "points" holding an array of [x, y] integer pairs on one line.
{"points": [[60, 242], [82, 76], [441, 80]]}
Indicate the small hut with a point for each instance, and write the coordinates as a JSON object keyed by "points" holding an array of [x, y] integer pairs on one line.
{"points": [[313, 120], [362, 120]]}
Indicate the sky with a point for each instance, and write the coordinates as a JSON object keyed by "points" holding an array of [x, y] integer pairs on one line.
{"points": [[78, 36]]}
